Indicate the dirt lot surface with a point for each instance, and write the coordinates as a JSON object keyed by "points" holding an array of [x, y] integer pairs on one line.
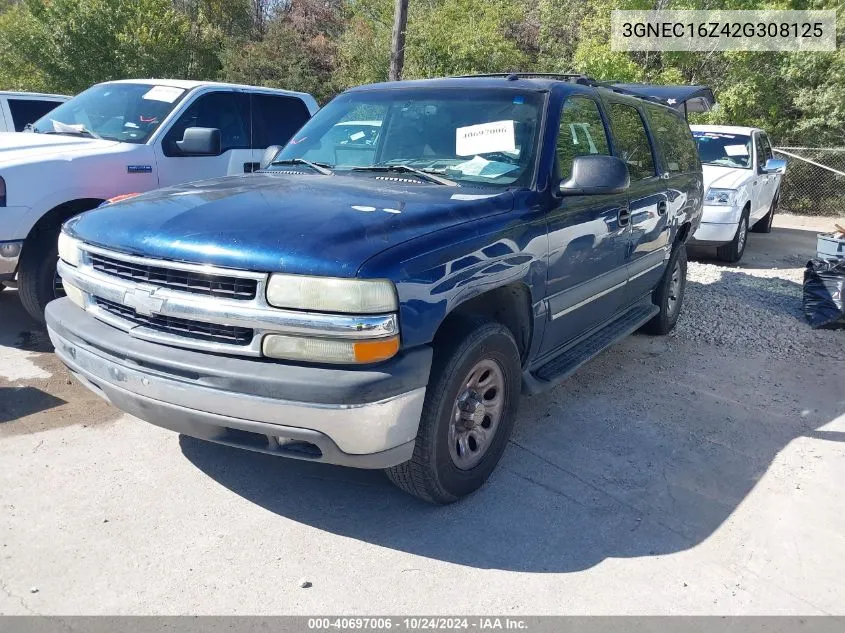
{"points": [[698, 473]]}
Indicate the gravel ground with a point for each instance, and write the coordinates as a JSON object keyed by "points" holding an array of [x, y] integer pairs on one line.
{"points": [[752, 310], [699, 473]]}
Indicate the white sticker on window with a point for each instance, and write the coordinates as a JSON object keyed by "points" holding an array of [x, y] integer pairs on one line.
{"points": [[356, 136], [167, 94], [736, 150], [484, 138]]}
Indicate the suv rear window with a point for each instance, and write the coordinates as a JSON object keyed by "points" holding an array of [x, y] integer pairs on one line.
{"points": [[674, 139], [26, 111]]}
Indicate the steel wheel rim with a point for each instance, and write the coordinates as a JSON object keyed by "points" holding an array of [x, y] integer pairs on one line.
{"points": [[476, 414], [743, 231], [674, 294]]}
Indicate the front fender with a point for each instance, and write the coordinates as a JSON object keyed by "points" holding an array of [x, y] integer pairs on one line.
{"points": [[436, 273]]}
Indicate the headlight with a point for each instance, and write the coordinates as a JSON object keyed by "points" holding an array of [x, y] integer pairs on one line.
{"points": [[721, 197], [323, 350], [329, 294], [68, 249]]}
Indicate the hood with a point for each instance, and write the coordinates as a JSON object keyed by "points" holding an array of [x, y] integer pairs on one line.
{"points": [[25, 147], [725, 177], [306, 224]]}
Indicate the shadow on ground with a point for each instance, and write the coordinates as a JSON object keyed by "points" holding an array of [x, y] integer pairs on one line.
{"points": [[792, 246]]}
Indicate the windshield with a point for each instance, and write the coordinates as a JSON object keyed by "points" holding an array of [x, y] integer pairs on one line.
{"points": [[465, 135], [724, 150], [118, 112]]}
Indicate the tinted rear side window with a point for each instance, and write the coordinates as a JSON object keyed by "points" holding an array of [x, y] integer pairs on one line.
{"points": [[632, 140], [673, 137], [25, 111], [276, 119]]}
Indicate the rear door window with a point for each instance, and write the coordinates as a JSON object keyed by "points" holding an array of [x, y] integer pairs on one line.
{"points": [[632, 140], [674, 139], [26, 111], [581, 133], [275, 119]]}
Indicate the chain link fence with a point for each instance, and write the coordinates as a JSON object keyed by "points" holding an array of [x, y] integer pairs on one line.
{"points": [[815, 180]]}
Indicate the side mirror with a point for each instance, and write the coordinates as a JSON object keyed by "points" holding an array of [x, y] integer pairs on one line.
{"points": [[269, 155], [200, 141], [775, 166], [595, 174]]}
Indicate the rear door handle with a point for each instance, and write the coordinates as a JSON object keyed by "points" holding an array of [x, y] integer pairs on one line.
{"points": [[624, 216], [661, 207]]}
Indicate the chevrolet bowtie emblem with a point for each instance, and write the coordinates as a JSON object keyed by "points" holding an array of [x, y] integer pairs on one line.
{"points": [[143, 301]]}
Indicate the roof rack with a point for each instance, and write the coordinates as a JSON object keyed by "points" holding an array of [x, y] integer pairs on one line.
{"points": [[576, 78]]}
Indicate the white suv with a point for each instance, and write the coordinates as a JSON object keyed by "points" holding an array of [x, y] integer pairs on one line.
{"points": [[125, 137], [19, 109], [742, 179]]}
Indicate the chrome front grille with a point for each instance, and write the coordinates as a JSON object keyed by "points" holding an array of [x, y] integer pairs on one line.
{"points": [[214, 285], [180, 307], [189, 328]]}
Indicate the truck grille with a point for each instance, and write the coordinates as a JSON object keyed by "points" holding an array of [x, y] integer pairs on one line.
{"points": [[184, 280], [226, 334]]}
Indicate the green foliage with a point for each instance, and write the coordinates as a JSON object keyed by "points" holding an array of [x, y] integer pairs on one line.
{"points": [[324, 46]]}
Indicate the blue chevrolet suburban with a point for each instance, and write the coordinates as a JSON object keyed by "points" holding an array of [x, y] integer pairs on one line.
{"points": [[383, 290]]}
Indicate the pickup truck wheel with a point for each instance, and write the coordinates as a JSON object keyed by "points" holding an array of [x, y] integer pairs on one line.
{"points": [[37, 280], [733, 250], [764, 224], [669, 294], [468, 415]]}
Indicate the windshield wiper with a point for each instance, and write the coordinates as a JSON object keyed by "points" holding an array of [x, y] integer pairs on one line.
{"points": [[318, 167], [427, 175]]}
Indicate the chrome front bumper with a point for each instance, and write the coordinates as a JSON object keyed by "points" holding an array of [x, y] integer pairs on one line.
{"points": [[249, 403], [714, 234]]}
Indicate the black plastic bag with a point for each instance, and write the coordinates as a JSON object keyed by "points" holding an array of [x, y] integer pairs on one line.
{"points": [[824, 294]]}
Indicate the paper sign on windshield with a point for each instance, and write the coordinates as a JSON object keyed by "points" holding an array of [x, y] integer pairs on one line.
{"points": [[736, 150], [163, 93], [486, 137]]}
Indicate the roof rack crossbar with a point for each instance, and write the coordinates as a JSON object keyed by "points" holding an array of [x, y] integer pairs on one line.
{"points": [[578, 78]]}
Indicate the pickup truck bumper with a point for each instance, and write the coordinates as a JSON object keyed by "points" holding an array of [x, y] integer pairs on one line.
{"points": [[365, 417], [711, 234], [10, 253]]}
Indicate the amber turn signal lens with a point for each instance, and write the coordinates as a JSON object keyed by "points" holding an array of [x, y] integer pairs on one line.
{"points": [[373, 351]]}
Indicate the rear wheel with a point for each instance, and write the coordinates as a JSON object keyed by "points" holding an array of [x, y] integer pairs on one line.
{"points": [[669, 294], [38, 283], [468, 415], [733, 250]]}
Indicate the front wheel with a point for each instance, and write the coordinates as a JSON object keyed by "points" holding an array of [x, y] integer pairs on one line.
{"points": [[38, 283], [733, 250], [468, 415], [669, 294]]}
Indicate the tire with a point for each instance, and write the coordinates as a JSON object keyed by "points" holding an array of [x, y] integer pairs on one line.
{"points": [[764, 224], [37, 283], [733, 250], [444, 466], [669, 294]]}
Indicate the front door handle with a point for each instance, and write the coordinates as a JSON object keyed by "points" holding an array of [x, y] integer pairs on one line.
{"points": [[661, 207], [624, 216]]}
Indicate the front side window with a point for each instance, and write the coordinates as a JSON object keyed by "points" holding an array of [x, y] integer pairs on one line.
{"points": [[129, 113], [581, 133], [486, 137], [226, 111], [26, 111], [767, 148], [632, 140], [724, 149]]}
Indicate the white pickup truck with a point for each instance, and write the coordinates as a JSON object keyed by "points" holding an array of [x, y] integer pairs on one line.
{"points": [[124, 137], [742, 182], [19, 109]]}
